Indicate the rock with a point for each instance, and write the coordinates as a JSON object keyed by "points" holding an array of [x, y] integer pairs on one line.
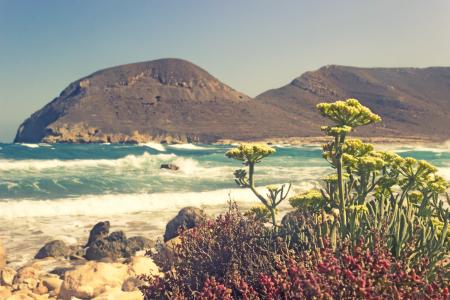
{"points": [[53, 284], [138, 243], [132, 284], [26, 277], [92, 279], [5, 292], [7, 276], [170, 167], [27, 295], [77, 252], [55, 248], [113, 247], [165, 255], [99, 231], [2, 255], [40, 289], [143, 265], [118, 294], [187, 217]]}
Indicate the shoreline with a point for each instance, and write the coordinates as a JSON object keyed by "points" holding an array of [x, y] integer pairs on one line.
{"points": [[294, 141], [86, 277]]}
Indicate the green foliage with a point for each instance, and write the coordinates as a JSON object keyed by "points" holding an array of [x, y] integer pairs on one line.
{"points": [[251, 154], [259, 212], [401, 199], [312, 199]]}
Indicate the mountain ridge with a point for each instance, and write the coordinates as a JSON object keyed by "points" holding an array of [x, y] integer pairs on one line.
{"points": [[403, 97], [173, 100]]}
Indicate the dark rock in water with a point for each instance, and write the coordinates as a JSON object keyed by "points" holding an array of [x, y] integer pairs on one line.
{"points": [[55, 248], [170, 167], [138, 243], [77, 252], [117, 236], [187, 217], [113, 247], [99, 231]]}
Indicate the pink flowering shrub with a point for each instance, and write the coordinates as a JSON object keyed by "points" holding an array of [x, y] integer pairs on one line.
{"points": [[235, 257]]}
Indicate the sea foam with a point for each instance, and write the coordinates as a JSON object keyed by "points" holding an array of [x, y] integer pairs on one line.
{"points": [[154, 146], [136, 161], [115, 204]]}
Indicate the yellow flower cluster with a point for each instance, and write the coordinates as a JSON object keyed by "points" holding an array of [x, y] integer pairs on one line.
{"points": [[356, 148], [250, 152], [358, 208], [333, 178], [260, 212], [369, 162], [335, 130], [348, 113], [415, 197], [306, 199], [439, 225]]}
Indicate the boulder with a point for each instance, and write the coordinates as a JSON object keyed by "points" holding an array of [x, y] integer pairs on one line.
{"points": [[55, 248], [187, 217], [2, 255], [138, 243], [99, 231], [92, 279], [77, 252], [143, 265], [170, 167], [118, 294], [40, 289], [53, 284], [7, 276], [5, 292], [27, 295], [26, 278], [165, 256], [113, 247]]}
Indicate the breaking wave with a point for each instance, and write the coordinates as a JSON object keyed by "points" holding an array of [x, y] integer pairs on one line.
{"points": [[135, 161]]}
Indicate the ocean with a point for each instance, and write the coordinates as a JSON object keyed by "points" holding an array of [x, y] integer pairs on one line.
{"points": [[60, 191]]}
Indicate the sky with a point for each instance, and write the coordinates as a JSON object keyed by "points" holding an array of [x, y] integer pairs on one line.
{"points": [[251, 45]]}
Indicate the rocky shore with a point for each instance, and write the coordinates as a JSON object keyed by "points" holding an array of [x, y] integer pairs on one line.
{"points": [[109, 265]]}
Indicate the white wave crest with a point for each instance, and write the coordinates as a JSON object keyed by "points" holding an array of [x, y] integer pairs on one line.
{"points": [[29, 145], [106, 205], [153, 145], [189, 147], [135, 161]]}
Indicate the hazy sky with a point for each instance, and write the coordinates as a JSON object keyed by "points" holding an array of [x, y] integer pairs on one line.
{"points": [[251, 45]]}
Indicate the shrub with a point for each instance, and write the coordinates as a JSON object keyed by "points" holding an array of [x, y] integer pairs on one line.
{"points": [[232, 257], [229, 246], [402, 199], [351, 272]]}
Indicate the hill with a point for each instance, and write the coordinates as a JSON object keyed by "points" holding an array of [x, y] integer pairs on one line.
{"points": [[412, 102], [175, 101], [166, 100]]}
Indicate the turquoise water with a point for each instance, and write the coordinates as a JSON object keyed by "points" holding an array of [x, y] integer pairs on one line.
{"points": [[52, 172], [52, 192]]}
